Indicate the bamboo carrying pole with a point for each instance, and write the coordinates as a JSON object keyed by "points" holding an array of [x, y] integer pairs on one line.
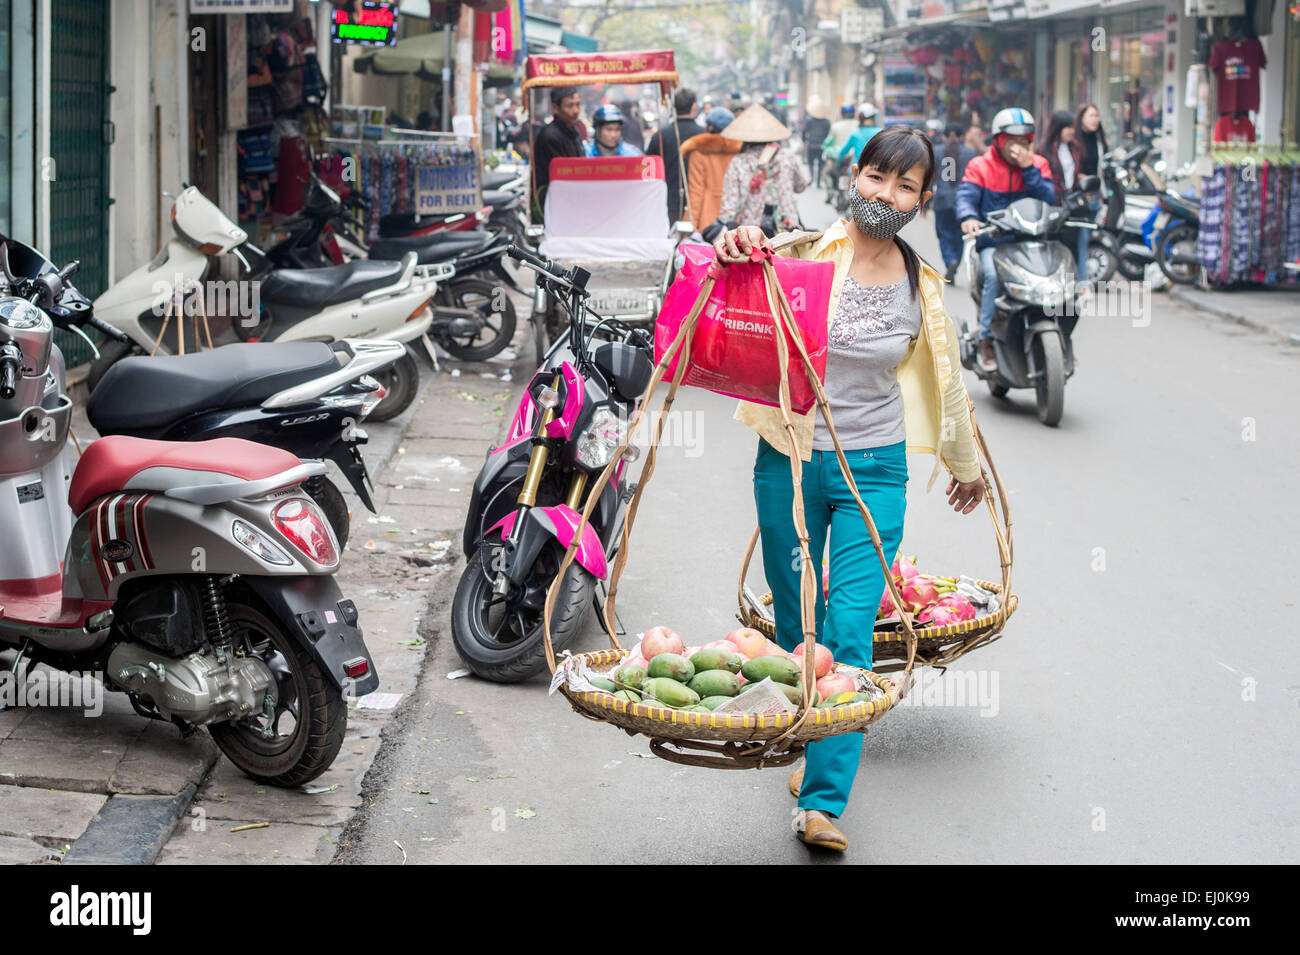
{"points": [[783, 327]]}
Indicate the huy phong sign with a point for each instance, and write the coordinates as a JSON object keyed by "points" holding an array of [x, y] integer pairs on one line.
{"points": [[367, 23]]}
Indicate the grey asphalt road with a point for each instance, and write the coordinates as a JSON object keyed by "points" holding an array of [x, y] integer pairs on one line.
{"points": [[1140, 709]]}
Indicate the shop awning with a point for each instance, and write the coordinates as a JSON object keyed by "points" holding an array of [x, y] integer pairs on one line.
{"points": [[544, 34], [420, 56]]}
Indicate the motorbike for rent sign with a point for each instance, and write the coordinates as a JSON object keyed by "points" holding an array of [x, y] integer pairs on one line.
{"points": [[443, 189]]}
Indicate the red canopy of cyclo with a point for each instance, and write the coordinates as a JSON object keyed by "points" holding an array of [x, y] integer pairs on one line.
{"points": [[581, 69]]}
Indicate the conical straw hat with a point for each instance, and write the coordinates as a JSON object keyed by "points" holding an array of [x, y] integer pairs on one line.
{"points": [[756, 125], [816, 107]]}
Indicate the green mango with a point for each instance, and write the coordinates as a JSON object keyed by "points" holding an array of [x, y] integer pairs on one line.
{"points": [[670, 692], [716, 660], [713, 702], [630, 696], [672, 666], [778, 669], [629, 676], [795, 694], [606, 685], [715, 683]]}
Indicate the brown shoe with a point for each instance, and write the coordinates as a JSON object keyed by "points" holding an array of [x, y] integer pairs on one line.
{"points": [[988, 357], [817, 830], [796, 782]]}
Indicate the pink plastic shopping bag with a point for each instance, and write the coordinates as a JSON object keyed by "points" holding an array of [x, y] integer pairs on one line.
{"points": [[734, 350]]}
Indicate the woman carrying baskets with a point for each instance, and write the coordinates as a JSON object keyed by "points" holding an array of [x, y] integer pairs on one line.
{"points": [[893, 380]]}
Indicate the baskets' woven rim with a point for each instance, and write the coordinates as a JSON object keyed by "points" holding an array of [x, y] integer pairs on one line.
{"points": [[923, 631], [656, 715]]}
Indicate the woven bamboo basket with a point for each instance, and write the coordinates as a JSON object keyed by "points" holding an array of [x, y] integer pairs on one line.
{"points": [[936, 645], [727, 741]]}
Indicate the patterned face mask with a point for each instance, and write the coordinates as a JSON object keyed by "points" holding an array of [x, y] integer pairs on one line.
{"points": [[877, 219]]}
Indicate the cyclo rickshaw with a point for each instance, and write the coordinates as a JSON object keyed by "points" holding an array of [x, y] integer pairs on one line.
{"points": [[608, 215]]}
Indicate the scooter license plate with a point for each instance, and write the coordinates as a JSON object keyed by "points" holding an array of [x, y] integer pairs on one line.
{"points": [[620, 301]]}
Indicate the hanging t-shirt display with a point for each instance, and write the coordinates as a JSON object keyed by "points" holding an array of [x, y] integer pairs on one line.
{"points": [[1236, 65], [1236, 128]]}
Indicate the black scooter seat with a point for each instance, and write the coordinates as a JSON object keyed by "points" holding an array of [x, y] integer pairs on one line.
{"points": [[493, 180], [498, 198], [431, 249], [145, 395], [316, 288]]}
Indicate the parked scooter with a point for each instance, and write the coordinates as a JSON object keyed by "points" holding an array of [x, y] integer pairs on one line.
{"points": [[194, 577], [306, 398], [382, 300], [1174, 229], [472, 320], [525, 506], [1131, 194], [1037, 310]]}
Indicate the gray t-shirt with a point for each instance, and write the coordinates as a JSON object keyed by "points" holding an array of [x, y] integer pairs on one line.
{"points": [[869, 335]]}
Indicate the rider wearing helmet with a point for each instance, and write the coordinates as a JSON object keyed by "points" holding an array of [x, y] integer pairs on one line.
{"points": [[1010, 170], [840, 132], [607, 137], [868, 126]]}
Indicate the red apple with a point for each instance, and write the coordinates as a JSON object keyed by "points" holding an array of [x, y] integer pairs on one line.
{"points": [[749, 642], [834, 683], [822, 659], [659, 640]]}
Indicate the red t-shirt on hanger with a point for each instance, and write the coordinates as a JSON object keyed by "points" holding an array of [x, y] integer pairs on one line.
{"points": [[1236, 65], [1234, 129]]}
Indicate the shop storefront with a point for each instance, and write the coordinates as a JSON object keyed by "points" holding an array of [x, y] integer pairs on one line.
{"points": [[1134, 77]]}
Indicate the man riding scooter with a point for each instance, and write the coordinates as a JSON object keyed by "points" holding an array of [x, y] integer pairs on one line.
{"points": [[1010, 170]]}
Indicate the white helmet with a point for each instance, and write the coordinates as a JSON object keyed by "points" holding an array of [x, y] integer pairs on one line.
{"points": [[866, 110], [1013, 121]]}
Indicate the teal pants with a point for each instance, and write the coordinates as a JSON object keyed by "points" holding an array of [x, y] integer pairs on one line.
{"points": [[845, 622]]}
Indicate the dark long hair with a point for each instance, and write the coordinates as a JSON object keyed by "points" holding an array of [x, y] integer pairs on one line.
{"points": [[1061, 120], [896, 149], [1101, 130]]}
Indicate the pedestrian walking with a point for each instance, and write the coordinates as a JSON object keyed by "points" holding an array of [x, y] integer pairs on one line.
{"points": [[709, 155], [762, 179], [816, 127], [892, 376], [1059, 147], [668, 143], [954, 156], [975, 136]]}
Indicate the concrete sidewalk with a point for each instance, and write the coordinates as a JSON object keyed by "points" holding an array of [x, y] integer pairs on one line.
{"points": [[1272, 309], [118, 788]]}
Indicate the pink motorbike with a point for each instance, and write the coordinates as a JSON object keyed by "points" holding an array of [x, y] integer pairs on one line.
{"points": [[528, 497]]}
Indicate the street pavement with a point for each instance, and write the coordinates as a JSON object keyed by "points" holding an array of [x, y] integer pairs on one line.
{"points": [[1140, 708]]}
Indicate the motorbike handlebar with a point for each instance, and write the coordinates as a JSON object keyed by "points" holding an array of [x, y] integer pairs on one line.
{"points": [[9, 364], [548, 269], [107, 330]]}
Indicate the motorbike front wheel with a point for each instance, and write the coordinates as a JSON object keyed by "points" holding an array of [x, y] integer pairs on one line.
{"points": [[499, 639], [1131, 268], [1176, 255], [310, 714], [1102, 263], [401, 380], [495, 310], [1050, 384]]}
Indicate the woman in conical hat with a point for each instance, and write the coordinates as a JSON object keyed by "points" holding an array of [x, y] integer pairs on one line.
{"points": [[766, 172]]}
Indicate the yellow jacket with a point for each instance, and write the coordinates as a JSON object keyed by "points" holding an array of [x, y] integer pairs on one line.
{"points": [[935, 412]]}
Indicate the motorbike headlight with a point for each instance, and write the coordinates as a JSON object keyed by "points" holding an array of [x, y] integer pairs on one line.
{"points": [[1042, 290], [600, 439]]}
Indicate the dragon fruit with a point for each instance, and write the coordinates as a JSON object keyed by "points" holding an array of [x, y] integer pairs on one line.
{"points": [[887, 608], [939, 616], [919, 592], [964, 608], [904, 566]]}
